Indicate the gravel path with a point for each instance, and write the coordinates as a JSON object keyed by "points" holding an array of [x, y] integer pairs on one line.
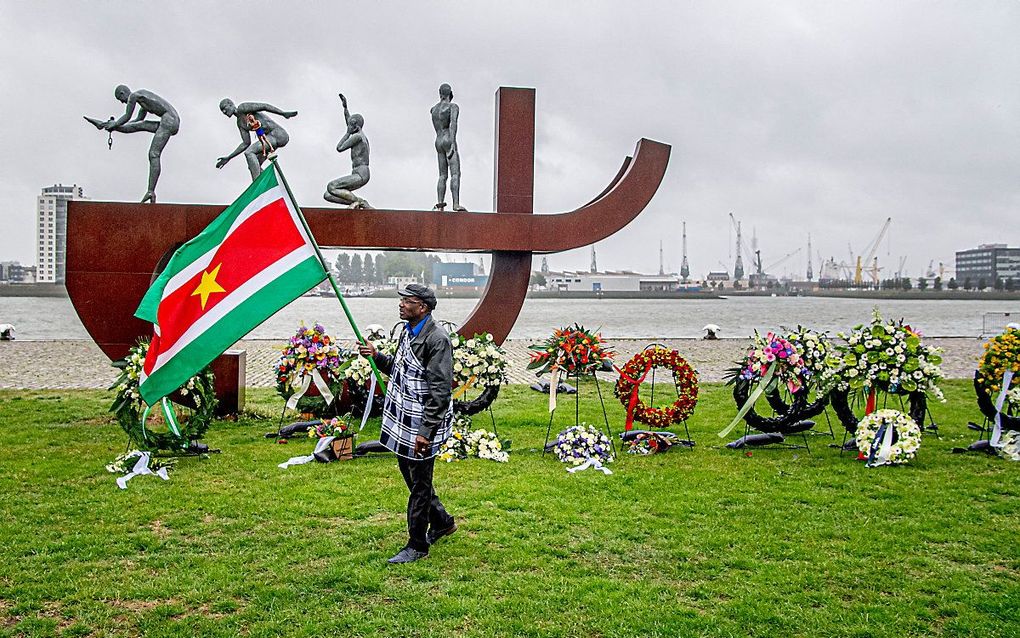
{"points": [[81, 364]]}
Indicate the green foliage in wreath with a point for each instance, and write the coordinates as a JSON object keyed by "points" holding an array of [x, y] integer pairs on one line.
{"points": [[194, 403]]}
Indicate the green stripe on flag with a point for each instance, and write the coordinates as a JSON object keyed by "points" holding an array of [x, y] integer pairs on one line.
{"points": [[208, 345], [209, 238]]}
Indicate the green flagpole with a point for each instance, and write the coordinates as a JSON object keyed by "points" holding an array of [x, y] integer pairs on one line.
{"points": [[329, 272]]}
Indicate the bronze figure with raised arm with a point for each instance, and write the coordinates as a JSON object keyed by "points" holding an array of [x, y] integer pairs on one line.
{"points": [[162, 130], [339, 190], [252, 116]]}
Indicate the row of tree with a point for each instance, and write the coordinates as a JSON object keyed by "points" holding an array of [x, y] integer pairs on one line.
{"points": [[378, 268], [923, 283]]}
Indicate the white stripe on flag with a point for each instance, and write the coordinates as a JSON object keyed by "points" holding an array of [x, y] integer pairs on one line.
{"points": [[234, 299], [202, 263]]}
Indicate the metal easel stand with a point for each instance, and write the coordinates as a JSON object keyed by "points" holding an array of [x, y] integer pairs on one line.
{"points": [[577, 411]]}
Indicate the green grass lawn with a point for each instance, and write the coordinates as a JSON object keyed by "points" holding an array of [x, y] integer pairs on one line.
{"points": [[703, 542]]}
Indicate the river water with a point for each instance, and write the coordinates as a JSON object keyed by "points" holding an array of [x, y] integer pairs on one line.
{"points": [[48, 318]]}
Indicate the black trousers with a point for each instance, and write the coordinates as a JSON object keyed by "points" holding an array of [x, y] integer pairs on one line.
{"points": [[424, 509]]}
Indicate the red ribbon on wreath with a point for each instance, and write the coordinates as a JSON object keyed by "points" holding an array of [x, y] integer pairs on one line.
{"points": [[629, 425]]}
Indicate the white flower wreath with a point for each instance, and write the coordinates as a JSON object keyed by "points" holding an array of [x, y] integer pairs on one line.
{"points": [[905, 437], [478, 361]]}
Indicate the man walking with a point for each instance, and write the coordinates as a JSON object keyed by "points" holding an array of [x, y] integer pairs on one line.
{"points": [[418, 415]]}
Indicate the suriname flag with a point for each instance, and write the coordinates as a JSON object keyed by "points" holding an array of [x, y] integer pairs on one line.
{"points": [[251, 261]]}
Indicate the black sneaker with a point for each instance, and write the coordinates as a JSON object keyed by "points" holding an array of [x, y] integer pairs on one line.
{"points": [[433, 535], [408, 555]]}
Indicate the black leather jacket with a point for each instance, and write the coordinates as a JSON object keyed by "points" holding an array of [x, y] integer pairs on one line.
{"points": [[433, 348]]}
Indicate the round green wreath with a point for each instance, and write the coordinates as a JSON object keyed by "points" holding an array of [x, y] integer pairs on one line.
{"points": [[196, 396]]}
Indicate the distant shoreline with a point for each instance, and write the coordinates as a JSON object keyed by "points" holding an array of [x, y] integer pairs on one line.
{"points": [[58, 290], [33, 290]]}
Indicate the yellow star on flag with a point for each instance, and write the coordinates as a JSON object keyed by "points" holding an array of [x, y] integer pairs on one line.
{"points": [[208, 285]]}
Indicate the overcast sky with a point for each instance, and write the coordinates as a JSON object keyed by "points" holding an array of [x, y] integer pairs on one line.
{"points": [[797, 117]]}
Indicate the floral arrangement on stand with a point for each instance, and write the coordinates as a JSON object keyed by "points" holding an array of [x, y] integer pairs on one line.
{"points": [[581, 442], [633, 374], [465, 442], [888, 356], [196, 394], [1001, 356], [648, 443], [888, 437], [814, 349], [311, 357], [572, 351], [478, 362]]}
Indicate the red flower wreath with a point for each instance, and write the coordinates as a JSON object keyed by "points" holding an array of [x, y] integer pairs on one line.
{"points": [[634, 372]]}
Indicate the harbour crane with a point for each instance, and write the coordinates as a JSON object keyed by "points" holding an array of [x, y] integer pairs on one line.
{"points": [[738, 267], [869, 255]]}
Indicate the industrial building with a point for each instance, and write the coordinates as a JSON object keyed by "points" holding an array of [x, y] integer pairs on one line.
{"points": [[988, 263], [458, 277], [610, 281]]}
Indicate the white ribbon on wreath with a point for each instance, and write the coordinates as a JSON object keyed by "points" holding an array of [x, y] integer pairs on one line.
{"points": [[307, 378], [884, 452], [322, 444], [141, 467], [592, 463], [1007, 379], [554, 384]]}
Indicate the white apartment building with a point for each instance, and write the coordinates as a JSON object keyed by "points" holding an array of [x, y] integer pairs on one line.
{"points": [[51, 231]]}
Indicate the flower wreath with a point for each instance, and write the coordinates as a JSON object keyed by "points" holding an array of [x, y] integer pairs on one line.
{"points": [[578, 443], [901, 437], [477, 361], [685, 378], [197, 395]]}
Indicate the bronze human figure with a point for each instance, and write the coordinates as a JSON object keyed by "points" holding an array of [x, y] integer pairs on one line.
{"points": [[252, 116], [162, 130], [444, 119], [339, 190]]}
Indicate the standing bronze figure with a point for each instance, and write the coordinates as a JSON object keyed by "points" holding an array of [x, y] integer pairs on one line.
{"points": [[444, 119]]}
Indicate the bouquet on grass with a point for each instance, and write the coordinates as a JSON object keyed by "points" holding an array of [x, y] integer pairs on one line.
{"points": [[125, 462], [579, 443], [465, 442], [335, 427], [572, 350], [648, 443]]}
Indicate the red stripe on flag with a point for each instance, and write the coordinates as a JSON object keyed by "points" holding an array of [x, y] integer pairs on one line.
{"points": [[260, 241]]}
